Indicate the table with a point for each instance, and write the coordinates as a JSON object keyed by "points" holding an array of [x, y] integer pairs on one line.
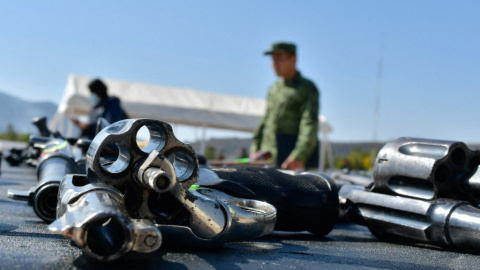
{"points": [[26, 243]]}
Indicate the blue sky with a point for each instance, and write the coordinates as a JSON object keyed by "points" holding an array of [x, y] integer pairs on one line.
{"points": [[430, 53]]}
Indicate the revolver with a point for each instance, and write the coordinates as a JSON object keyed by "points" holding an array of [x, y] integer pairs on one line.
{"points": [[56, 160], [442, 222], [427, 169], [130, 182], [424, 191]]}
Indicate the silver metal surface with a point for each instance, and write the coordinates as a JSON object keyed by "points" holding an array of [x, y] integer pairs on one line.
{"points": [[464, 227], [441, 222], [250, 218], [115, 151], [342, 178], [207, 218], [157, 173], [164, 165], [55, 162], [93, 215], [214, 214], [426, 169], [133, 191]]}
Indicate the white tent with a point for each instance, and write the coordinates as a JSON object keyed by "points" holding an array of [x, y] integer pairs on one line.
{"points": [[169, 104]]}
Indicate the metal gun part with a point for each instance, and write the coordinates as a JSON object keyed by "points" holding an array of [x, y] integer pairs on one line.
{"points": [[164, 165], [93, 215], [115, 151], [342, 178], [41, 124], [250, 218], [213, 216], [427, 169], [55, 162], [154, 180], [441, 222], [305, 202]]}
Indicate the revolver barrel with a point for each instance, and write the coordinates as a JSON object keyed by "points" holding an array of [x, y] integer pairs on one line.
{"points": [[442, 222], [95, 218], [51, 169]]}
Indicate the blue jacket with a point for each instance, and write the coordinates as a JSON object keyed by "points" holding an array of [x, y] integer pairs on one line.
{"points": [[110, 109]]}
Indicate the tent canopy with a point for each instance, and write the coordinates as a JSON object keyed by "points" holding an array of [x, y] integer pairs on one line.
{"points": [[169, 104]]}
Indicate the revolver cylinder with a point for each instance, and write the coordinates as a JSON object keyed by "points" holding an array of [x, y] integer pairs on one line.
{"points": [[427, 169]]}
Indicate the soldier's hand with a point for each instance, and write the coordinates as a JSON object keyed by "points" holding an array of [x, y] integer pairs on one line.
{"points": [[260, 155], [79, 124], [292, 164]]}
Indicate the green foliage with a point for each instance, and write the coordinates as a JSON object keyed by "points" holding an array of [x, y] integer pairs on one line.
{"points": [[11, 135], [210, 152], [356, 160]]}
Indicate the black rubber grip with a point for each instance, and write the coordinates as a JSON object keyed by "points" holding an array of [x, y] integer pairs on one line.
{"points": [[303, 202]]}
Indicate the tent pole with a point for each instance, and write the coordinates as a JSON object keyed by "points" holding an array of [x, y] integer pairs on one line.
{"points": [[203, 142], [330, 156], [69, 123], [323, 146], [174, 128]]}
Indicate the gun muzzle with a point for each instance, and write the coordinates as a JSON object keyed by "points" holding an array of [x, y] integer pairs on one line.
{"points": [[95, 218], [51, 169]]}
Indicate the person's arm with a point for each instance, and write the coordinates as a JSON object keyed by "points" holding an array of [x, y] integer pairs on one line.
{"points": [[87, 128], [257, 139], [258, 135], [307, 135]]}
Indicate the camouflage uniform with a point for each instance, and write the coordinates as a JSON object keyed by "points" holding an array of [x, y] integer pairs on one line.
{"points": [[292, 109]]}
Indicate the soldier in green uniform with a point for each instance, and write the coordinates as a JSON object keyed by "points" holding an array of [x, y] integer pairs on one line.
{"points": [[287, 134]]}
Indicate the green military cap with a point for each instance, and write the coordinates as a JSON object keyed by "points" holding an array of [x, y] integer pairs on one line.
{"points": [[282, 47]]}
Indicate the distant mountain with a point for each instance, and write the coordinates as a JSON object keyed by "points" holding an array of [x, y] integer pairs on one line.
{"points": [[20, 113]]}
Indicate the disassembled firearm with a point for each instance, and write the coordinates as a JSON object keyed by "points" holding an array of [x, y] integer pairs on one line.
{"points": [[139, 197], [305, 202], [57, 160], [94, 216], [32, 152], [126, 182], [423, 192], [442, 222], [427, 169]]}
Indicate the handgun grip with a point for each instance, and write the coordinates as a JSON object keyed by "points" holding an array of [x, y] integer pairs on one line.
{"points": [[307, 202]]}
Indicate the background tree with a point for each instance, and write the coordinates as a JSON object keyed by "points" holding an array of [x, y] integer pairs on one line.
{"points": [[11, 135], [210, 152]]}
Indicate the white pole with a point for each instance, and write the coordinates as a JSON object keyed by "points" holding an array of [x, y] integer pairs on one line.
{"points": [[323, 146], [203, 142], [376, 113]]}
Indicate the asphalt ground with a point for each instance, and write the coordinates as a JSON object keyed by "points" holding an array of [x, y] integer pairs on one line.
{"points": [[26, 243]]}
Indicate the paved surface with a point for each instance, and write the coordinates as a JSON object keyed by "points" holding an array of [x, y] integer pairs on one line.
{"points": [[26, 243]]}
